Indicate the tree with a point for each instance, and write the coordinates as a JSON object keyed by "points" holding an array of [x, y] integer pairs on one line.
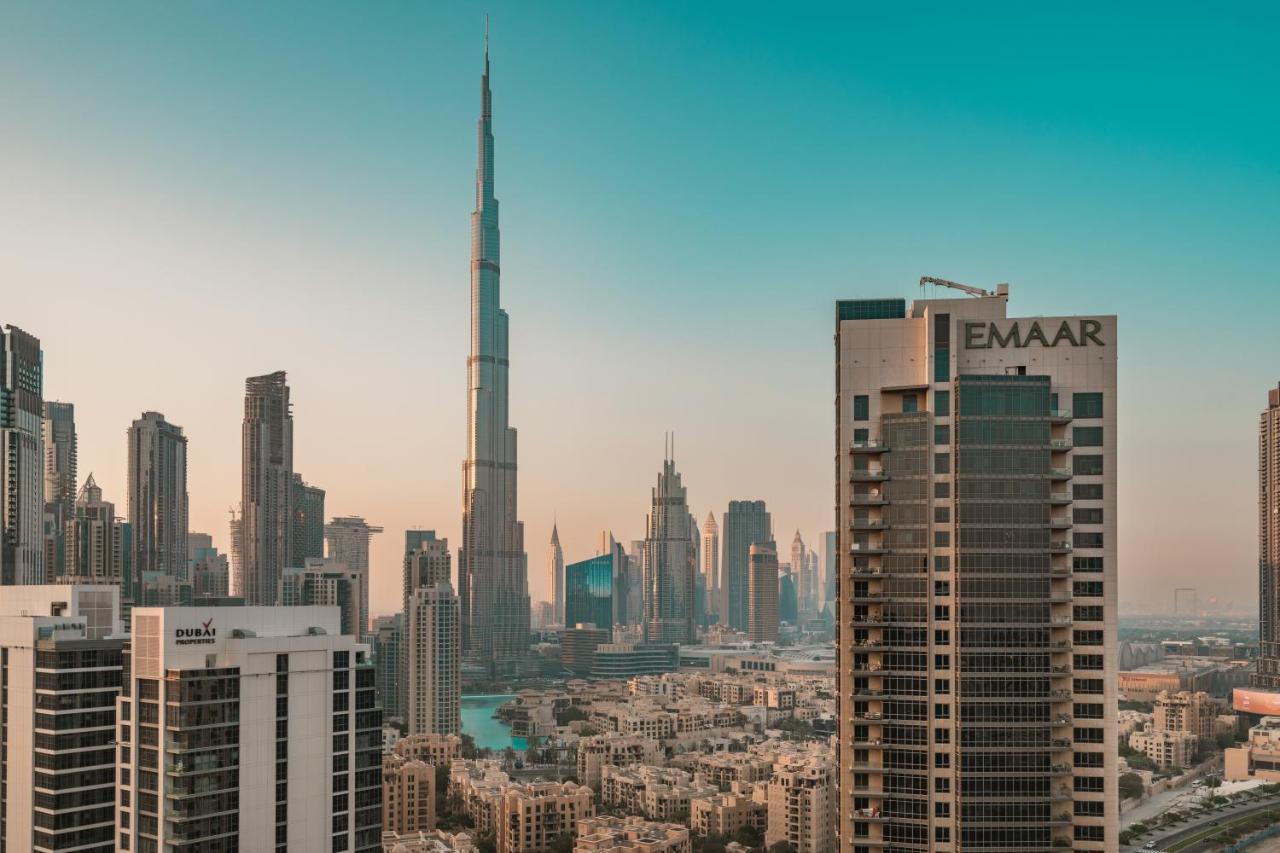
{"points": [[749, 836], [562, 843], [1131, 786], [569, 715], [468, 746], [781, 847], [486, 844]]}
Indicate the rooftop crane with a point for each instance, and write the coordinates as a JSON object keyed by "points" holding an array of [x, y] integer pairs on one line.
{"points": [[1002, 289]]}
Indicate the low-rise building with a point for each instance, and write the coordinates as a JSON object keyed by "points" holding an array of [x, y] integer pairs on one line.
{"points": [[1165, 748], [533, 815], [478, 786], [596, 751], [1258, 757], [728, 812], [408, 795], [428, 842], [607, 834], [1187, 712], [802, 806], [658, 793], [435, 749], [724, 769]]}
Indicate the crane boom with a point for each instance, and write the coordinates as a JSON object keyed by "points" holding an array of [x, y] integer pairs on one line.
{"points": [[1001, 289]]}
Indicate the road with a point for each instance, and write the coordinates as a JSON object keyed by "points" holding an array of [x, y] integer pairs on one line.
{"points": [[1188, 837]]}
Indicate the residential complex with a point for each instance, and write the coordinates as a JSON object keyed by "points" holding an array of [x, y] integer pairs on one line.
{"points": [[271, 735], [60, 483], [976, 475], [265, 539], [158, 495], [433, 649]]}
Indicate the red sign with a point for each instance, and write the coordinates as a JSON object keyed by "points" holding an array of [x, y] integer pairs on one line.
{"points": [[1260, 702]]}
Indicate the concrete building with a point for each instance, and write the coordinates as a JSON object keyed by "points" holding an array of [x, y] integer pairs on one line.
{"points": [[307, 539], [976, 473], [436, 750], [1258, 757], [1268, 672], [555, 577], [408, 795], [1196, 713], [60, 483], [624, 660], [60, 673], [669, 565], [92, 552], [711, 562], [609, 834], [325, 583], [208, 570], [429, 842], [347, 542], [596, 751], [433, 700], [745, 524], [1168, 749], [271, 734], [265, 537], [800, 567], [22, 454], [158, 495], [802, 806], [762, 593], [578, 647], [531, 816], [658, 793], [829, 571], [493, 568], [391, 663], [728, 812]]}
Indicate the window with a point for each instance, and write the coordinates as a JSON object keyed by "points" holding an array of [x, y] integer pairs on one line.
{"points": [[1087, 686], [1093, 662], [1087, 436], [282, 663], [1086, 515], [942, 538], [1087, 564], [941, 686], [942, 760], [942, 563], [942, 637], [1087, 759], [1088, 735], [942, 489], [942, 463], [1087, 613], [1086, 405], [942, 809], [1086, 539], [942, 833], [1087, 589], [910, 403], [942, 711], [941, 736], [1088, 784], [942, 785], [941, 514], [942, 588], [1087, 638], [941, 434], [942, 612], [1086, 491], [861, 435], [942, 661], [1088, 710], [1088, 833], [1086, 465], [941, 403], [1090, 808]]}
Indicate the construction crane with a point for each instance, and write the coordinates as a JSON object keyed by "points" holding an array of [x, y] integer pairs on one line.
{"points": [[1002, 289]]}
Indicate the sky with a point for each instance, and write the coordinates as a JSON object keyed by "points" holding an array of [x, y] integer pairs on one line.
{"points": [[194, 193]]}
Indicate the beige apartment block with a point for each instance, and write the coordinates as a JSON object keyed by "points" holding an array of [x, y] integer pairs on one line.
{"points": [[1258, 757], [607, 834], [533, 815], [1187, 712], [596, 751], [802, 807], [976, 475], [428, 842], [479, 784], [658, 793], [408, 795], [434, 749], [726, 813], [1167, 749], [724, 769]]}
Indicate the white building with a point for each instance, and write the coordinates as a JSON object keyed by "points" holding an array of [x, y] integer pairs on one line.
{"points": [[976, 470], [271, 737], [433, 646], [60, 651]]}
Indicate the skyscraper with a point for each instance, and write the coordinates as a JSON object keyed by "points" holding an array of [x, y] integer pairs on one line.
{"points": [[762, 593], [348, 543], [976, 472], [93, 552], [266, 493], [1268, 673], [427, 562], [22, 455], [589, 592], [745, 523], [308, 522], [669, 566], [60, 483], [158, 495], [711, 562], [432, 645], [555, 574], [493, 569], [800, 568], [829, 563], [326, 583]]}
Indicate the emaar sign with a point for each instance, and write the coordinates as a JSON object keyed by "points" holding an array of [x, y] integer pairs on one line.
{"points": [[979, 335]]}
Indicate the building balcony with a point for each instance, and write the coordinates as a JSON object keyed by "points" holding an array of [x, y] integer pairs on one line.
{"points": [[1059, 445], [868, 499], [1060, 499], [865, 619], [1060, 695], [1059, 672], [872, 445], [867, 524], [1060, 621], [1060, 416], [867, 549], [872, 572], [1059, 474], [1060, 523], [868, 475], [1060, 547]]}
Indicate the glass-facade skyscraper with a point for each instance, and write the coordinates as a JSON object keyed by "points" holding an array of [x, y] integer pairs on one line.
{"points": [[588, 589]]}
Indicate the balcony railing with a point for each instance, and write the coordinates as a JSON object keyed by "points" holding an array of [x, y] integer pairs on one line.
{"points": [[1060, 415], [862, 475], [871, 445], [1060, 444], [1059, 473]]}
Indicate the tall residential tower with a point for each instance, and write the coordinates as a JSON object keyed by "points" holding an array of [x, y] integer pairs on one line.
{"points": [[266, 493], [1268, 674], [158, 495], [493, 569], [976, 476], [745, 524], [22, 455], [60, 484]]}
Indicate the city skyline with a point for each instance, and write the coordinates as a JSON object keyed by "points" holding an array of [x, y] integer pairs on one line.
{"points": [[410, 333]]}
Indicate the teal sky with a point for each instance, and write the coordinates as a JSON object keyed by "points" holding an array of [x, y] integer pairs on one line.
{"points": [[192, 193]]}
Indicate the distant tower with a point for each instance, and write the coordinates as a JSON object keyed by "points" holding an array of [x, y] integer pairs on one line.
{"points": [[158, 495], [829, 569], [266, 493], [745, 524], [800, 568], [22, 455], [711, 562], [762, 593], [60, 482], [493, 569], [92, 551], [669, 566], [1268, 674], [308, 522], [555, 574], [348, 543]]}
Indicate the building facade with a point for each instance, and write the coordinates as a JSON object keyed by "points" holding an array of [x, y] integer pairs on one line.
{"points": [[60, 672], [555, 576], [493, 569], [433, 647], [93, 552], [325, 583], [669, 566], [60, 483], [762, 593], [265, 541], [158, 495], [22, 452], [347, 538], [408, 795], [976, 473], [1268, 672], [588, 592], [745, 523], [248, 728], [711, 562], [390, 663], [308, 521]]}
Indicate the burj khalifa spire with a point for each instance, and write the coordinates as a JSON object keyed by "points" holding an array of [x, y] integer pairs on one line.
{"points": [[493, 579]]}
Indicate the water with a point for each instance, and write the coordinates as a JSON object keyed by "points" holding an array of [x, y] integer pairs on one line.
{"points": [[478, 721]]}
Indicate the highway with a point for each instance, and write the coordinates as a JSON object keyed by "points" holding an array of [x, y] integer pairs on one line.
{"points": [[1189, 837]]}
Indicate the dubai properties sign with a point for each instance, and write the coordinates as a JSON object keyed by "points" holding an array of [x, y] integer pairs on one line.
{"points": [[204, 635]]}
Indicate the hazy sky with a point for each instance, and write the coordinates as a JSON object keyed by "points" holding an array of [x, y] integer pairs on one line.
{"points": [[193, 193]]}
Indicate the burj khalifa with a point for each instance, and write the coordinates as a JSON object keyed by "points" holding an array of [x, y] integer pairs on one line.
{"points": [[493, 578]]}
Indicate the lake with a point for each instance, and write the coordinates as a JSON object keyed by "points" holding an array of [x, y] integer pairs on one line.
{"points": [[478, 721]]}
